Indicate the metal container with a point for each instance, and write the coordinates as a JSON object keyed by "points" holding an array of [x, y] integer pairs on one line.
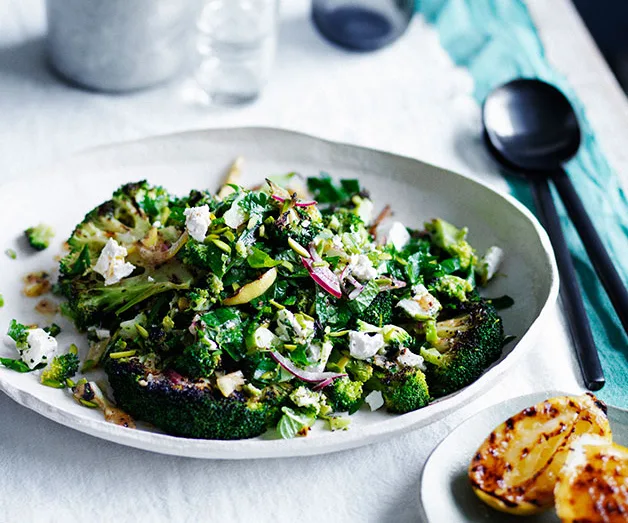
{"points": [[120, 45]]}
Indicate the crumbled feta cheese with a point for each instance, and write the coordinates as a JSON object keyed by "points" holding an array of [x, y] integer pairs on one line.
{"points": [[197, 222], [422, 306], [375, 400], [230, 383], [363, 345], [236, 215], [41, 348], [294, 328], [398, 235], [151, 279], [111, 263], [319, 354], [491, 262], [102, 334], [361, 267], [408, 358]]}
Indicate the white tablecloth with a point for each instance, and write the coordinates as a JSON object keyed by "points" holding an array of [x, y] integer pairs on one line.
{"points": [[408, 99]]}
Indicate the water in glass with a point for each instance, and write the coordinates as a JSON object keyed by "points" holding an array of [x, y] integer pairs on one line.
{"points": [[236, 43]]}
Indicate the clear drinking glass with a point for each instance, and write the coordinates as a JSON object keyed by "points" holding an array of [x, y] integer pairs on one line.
{"points": [[363, 25], [236, 42]]}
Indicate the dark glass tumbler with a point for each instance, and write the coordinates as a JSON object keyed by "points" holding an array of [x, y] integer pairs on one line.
{"points": [[363, 25]]}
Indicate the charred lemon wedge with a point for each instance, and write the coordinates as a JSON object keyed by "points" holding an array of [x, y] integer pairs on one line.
{"points": [[516, 468], [593, 484]]}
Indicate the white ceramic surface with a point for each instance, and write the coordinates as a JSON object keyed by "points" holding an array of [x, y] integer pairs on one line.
{"points": [[445, 491], [417, 191]]}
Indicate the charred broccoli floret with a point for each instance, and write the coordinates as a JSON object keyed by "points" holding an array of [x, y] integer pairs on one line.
{"points": [[39, 236], [205, 256], [197, 361], [187, 408], [359, 370], [61, 369], [454, 287], [463, 348], [344, 395], [89, 298], [451, 239], [120, 218], [404, 389], [379, 312]]}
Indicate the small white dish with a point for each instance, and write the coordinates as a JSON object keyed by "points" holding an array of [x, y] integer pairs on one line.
{"points": [[444, 489], [416, 191]]}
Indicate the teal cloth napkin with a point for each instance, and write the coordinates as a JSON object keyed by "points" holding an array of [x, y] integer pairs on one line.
{"points": [[497, 41]]}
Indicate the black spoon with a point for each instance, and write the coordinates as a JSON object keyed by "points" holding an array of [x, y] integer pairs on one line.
{"points": [[531, 128]]}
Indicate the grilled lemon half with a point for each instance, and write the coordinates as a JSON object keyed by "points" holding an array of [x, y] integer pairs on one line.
{"points": [[516, 468], [593, 484]]}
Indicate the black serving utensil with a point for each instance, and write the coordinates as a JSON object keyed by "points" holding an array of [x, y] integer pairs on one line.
{"points": [[531, 129]]}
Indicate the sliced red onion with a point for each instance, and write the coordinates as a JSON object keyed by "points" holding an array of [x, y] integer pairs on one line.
{"points": [[277, 191], [305, 375], [305, 204], [174, 376], [324, 277], [325, 383], [351, 279], [278, 198], [355, 293], [313, 252]]}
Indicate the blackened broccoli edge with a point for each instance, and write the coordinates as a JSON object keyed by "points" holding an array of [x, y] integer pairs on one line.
{"points": [[191, 409], [468, 345]]}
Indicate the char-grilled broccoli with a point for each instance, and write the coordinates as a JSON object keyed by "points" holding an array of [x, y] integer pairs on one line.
{"points": [[463, 348], [404, 388], [454, 287], [120, 218], [198, 361], [452, 240], [61, 369], [89, 299], [39, 236], [344, 395], [379, 312], [206, 256], [192, 409], [202, 299], [359, 370]]}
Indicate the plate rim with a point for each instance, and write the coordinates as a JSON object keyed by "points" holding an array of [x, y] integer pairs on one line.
{"points": [[256, 448]]}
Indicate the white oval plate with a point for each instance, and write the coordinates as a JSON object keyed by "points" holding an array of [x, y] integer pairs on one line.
{"points": [[445, 491], [416, 191]]}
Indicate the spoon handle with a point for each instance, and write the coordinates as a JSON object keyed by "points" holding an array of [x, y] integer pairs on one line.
{"points": [[610, 278], [586, 351]]}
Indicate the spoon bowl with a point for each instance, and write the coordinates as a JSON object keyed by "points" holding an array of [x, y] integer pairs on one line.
{"points": [[531, 125]]}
